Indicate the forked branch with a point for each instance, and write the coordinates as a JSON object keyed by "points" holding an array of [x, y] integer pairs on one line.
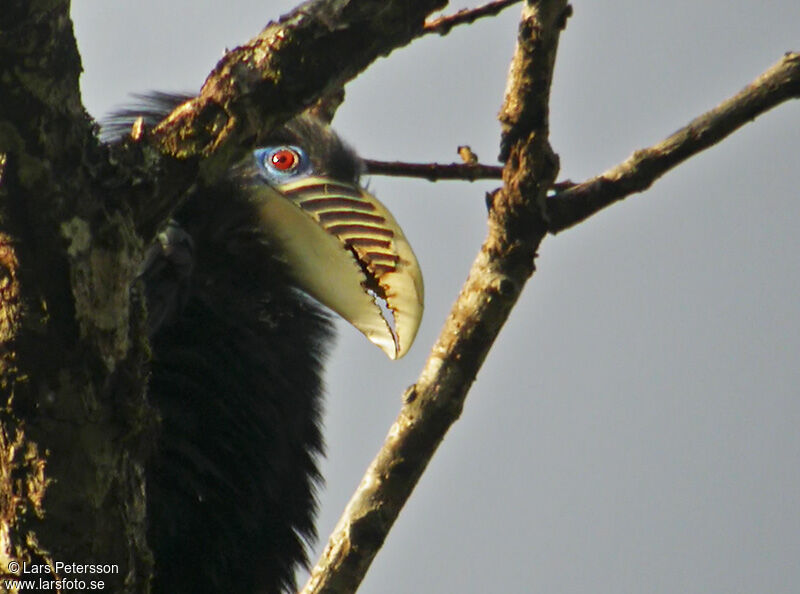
{"points": [[521, 214], [497, 276]]}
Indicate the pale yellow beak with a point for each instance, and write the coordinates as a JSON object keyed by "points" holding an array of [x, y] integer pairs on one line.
{"points": [[345, 249]]}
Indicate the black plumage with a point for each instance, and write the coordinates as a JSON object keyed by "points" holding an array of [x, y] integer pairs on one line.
{"points": [[237, 355]]}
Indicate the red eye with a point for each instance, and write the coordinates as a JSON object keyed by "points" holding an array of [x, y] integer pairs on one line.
{"points": [[284, 159]]}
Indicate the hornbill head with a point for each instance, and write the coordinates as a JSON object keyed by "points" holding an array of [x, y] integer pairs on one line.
{"points": [[340, 244]]}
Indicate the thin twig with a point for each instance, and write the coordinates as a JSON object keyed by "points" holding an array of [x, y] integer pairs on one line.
{"points": [[466, 16], [434, 171], [776, 85]]}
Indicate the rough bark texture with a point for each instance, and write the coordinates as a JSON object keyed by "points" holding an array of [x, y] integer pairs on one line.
{"points": [[74, 217], [72, 378]]}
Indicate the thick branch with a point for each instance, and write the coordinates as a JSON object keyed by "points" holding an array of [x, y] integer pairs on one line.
{"points": [[310, 52], [498, 274], [779, 83], [466, 16], [314, 49]]}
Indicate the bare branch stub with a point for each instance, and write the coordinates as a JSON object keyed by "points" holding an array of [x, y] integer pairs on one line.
{"points": [[434, 403], [779, 83]]}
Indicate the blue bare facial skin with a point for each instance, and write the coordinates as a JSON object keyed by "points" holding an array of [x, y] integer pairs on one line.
{"points": [[281, 164]]}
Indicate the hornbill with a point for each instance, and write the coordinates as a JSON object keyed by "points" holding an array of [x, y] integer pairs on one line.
{"points": [[233, 286]]}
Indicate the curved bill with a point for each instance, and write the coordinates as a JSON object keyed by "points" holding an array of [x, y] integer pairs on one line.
{"points": [[345, 249]]}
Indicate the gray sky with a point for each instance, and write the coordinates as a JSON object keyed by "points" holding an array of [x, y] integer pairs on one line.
{"points": [[635, 429]]}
